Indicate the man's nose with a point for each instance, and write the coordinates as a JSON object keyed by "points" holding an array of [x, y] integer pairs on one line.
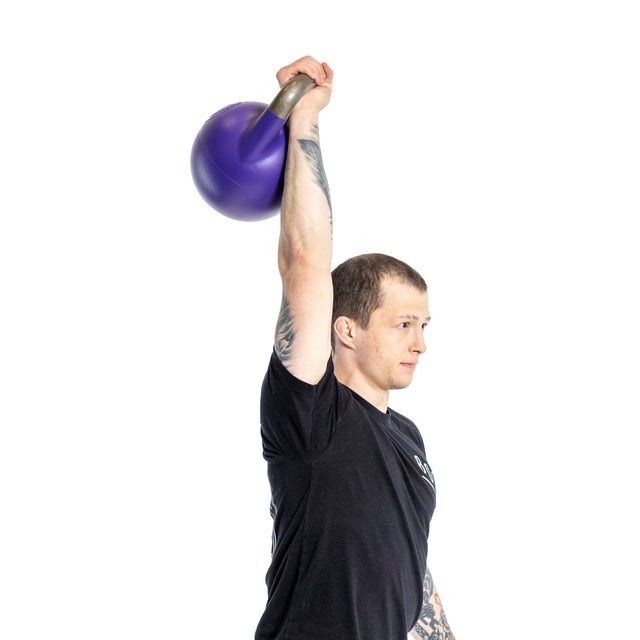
{"points": [[419, 344]]}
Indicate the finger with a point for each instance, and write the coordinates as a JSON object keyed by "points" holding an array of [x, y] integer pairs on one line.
{"points": [[307, 65], [328, 72], [311, 67]]}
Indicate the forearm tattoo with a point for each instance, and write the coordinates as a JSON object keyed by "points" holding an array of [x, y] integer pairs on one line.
{"points": [[311, 148], [284, 332], [432, 623]]}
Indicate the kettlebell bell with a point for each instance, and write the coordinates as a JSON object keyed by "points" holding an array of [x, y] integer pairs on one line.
{"points": [[239, 154]]}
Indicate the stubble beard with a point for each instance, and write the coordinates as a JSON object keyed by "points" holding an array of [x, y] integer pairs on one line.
{"points": [[395, 383], [372, 353]]}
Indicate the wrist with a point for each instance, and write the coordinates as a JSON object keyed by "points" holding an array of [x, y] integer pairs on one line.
{"points": [[303, 120]]}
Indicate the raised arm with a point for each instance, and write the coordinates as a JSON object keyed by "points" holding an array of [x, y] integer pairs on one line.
{"points": [[432, 623], [303, 331]]}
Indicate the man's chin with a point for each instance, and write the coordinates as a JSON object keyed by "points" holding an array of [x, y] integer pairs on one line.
{"points": [[400, 384]]}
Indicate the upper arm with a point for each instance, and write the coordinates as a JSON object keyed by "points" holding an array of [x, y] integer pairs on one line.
{"points": [[303, 330]]}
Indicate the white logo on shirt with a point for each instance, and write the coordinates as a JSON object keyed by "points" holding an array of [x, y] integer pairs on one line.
{"points": [[427, 473]]}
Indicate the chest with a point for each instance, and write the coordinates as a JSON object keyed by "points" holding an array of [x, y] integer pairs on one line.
{"points": [[376, 466]]}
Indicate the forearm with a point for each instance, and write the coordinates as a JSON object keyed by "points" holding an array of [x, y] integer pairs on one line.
{"points": [[306, 216], [432, 623]]}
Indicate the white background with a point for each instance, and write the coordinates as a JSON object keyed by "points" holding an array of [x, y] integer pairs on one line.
{"points": [[494, 146]]}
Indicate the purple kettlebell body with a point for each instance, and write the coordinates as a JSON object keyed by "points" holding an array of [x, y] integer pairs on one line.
{"points": [[237, 161]]}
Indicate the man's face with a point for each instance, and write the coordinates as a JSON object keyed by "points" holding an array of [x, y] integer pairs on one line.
{"points": [[389, 348]]}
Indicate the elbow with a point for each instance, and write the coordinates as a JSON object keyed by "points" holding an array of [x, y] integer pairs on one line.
{"points": [[297, 253]]}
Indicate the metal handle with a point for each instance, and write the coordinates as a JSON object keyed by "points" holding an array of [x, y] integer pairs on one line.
{"points": [[290, 94]]}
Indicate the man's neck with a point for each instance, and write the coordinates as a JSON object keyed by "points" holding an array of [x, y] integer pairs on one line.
{"points": [[353, 378]]}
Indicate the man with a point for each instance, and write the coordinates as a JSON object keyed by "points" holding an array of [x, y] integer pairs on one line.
{"points": [[352, 492]]}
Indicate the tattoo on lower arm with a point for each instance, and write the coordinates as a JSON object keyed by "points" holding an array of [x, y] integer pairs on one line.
{"points": [[284, 332], [432, 623], [311, 150]]}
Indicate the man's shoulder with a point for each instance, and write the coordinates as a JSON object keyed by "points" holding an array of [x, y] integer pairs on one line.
{"points": [[281, 388], [277, 373]]}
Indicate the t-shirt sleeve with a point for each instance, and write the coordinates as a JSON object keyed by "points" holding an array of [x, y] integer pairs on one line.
{"points": [[297, 419]]}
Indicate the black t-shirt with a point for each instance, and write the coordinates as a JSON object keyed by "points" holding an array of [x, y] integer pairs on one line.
{"points": [[352, 498]]}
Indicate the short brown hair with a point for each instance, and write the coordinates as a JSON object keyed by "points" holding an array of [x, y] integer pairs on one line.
{"points": [[356, 285]]}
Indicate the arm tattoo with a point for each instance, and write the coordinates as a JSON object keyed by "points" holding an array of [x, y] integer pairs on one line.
{"points": [[432, 623], [284, 332], [311, 150]]}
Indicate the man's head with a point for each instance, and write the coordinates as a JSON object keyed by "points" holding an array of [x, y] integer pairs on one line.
{"points": [[380, 309]]}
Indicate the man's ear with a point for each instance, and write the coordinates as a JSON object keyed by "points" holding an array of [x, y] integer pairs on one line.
{"points": [[345, 329]]}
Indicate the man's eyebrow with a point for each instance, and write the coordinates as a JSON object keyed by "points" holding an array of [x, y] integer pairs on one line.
{"points": [[410, 316]]}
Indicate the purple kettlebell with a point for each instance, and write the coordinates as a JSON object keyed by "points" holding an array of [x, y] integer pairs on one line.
{"points": [[238, 157]]}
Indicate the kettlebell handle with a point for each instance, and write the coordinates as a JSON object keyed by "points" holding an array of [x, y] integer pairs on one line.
{"points": [[269, 123], [290, 94]]}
